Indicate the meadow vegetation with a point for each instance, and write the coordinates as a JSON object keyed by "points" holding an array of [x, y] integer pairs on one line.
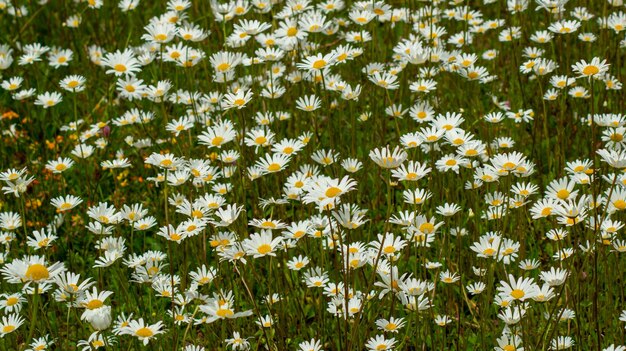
{"points": [[312, 175]]}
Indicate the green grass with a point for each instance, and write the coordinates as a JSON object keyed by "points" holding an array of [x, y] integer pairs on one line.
{"points": [[311, 205]]}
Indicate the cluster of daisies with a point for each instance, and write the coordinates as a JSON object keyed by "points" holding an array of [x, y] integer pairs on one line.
{"points": [[252, 192]]}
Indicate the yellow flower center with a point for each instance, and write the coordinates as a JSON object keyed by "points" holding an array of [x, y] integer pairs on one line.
{"points": [[355, 262], [319, 64], [224, 312], [426, 228], [619, 204], [562, 194], [389, 249], [411, 176], [120, 67], [153, 270], [517, 294], [264, 249], [97, 343], [508, 166], [391, 326], [591, 70], [298, 234], [268, 224], [217, 141], [489, 251], [36, 272], [65, 206], [144, 332], [274, 167], [93, 304], [332, 192], [13, 176]]}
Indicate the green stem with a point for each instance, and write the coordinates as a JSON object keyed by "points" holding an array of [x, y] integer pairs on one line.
{"points": [[33, 319]]}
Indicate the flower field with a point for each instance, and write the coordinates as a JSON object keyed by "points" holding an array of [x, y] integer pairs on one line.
{"points": [[312, 175]]}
